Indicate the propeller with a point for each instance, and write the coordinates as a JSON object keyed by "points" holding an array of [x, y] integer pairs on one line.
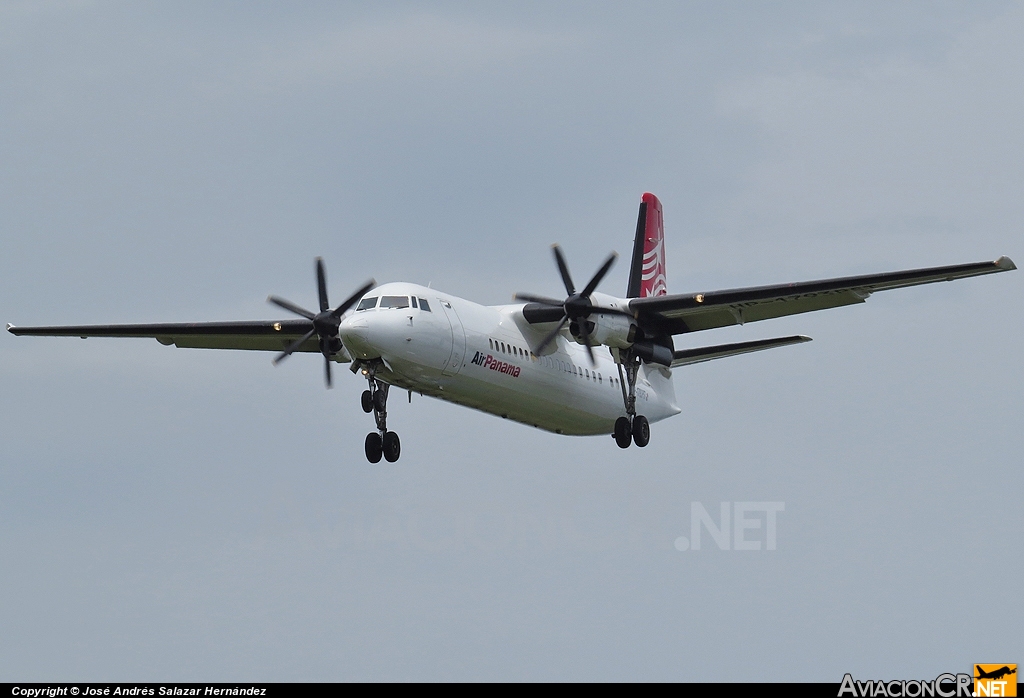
{"points": [[325, 323], [577, 306]]}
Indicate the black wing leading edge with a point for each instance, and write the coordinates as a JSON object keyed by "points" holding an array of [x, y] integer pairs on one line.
{"points": [[681, 313]]}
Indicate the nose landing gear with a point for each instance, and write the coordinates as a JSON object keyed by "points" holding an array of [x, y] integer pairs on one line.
{"points": [[381, 442]]}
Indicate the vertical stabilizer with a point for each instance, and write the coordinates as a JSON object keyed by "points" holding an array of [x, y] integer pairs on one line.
{"points": [[647, 272]]}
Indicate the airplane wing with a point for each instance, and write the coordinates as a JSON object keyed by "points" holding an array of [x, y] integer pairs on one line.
{"points": [[259, 335], [680, 313], [685, 357]]}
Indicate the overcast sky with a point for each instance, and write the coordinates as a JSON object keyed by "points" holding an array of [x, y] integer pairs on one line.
{"points": [[200, 515]]}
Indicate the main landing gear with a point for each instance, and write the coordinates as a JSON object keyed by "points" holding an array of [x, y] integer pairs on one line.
{"points": [[633, 428], [381, 442]]}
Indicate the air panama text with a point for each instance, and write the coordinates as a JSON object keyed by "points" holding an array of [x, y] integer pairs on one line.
{"points": [[495, 365]]}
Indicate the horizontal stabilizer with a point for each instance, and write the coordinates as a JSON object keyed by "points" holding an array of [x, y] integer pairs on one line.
{"points": [[685, 357]]}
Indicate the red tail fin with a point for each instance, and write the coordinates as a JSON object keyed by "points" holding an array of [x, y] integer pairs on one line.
{"points": [[647, 273]]}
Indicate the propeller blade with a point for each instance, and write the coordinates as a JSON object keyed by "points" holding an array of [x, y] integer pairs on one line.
{"points": [[586, 341], [563, 269], [293, 346], [551, 336], [321, 284], [537, 299], [350, 301], [327, 372], [288, 305], [599, 275]]}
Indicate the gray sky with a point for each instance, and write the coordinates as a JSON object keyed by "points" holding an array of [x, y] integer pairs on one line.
{"points": [[199, 515]]}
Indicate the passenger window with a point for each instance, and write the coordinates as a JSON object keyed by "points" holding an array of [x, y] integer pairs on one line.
{"points": [[367, 303], [586, 371], [424, 305], [490, 343], [394, 302]]}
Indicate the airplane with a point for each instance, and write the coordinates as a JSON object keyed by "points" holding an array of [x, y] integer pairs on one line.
{"points": [[587, 364], [996, 674]]}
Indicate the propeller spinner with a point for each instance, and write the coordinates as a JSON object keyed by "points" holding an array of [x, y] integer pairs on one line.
{"points": [[325, 323]]}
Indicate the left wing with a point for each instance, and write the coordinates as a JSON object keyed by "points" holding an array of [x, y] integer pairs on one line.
{"points": [[681, 313], [259, 335]]}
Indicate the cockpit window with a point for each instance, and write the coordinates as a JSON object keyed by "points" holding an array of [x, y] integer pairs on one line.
{"points": [[394, 301], [424, 305], [367, 303]]}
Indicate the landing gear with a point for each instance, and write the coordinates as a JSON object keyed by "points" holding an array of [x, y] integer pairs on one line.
{"points": [[380, 443], [641, 431], [380, 400], [623, 432], [374, 447], [634, 427], [392, 446]]}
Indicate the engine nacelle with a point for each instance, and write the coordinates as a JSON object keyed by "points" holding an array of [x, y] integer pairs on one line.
{"points": [[616, 331]]}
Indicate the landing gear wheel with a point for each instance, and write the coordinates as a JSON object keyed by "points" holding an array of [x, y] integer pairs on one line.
{"points": [[392, 446], [622, 434], [373, 447], [366, 400], [380, 400], [641, 431]]}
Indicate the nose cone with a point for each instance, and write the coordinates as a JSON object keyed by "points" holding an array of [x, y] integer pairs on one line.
{"points": [[371, 334], [355, 334]]}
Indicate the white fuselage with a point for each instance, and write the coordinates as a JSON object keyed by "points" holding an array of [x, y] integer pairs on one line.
{"points": [[481, 357]]}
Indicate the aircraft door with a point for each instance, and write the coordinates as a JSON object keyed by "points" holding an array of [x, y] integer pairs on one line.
{"points": [[458, 355]]}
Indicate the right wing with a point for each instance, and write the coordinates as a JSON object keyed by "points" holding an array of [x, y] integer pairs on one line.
{"points": [[677, 314], [259, 335]]}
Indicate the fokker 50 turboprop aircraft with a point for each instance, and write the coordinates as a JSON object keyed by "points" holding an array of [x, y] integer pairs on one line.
{"points": [[586, 364]]}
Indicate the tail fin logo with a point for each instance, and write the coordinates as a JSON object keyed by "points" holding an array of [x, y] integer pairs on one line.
{"points": [[647, 272], [652, 277], [652, 268]]}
